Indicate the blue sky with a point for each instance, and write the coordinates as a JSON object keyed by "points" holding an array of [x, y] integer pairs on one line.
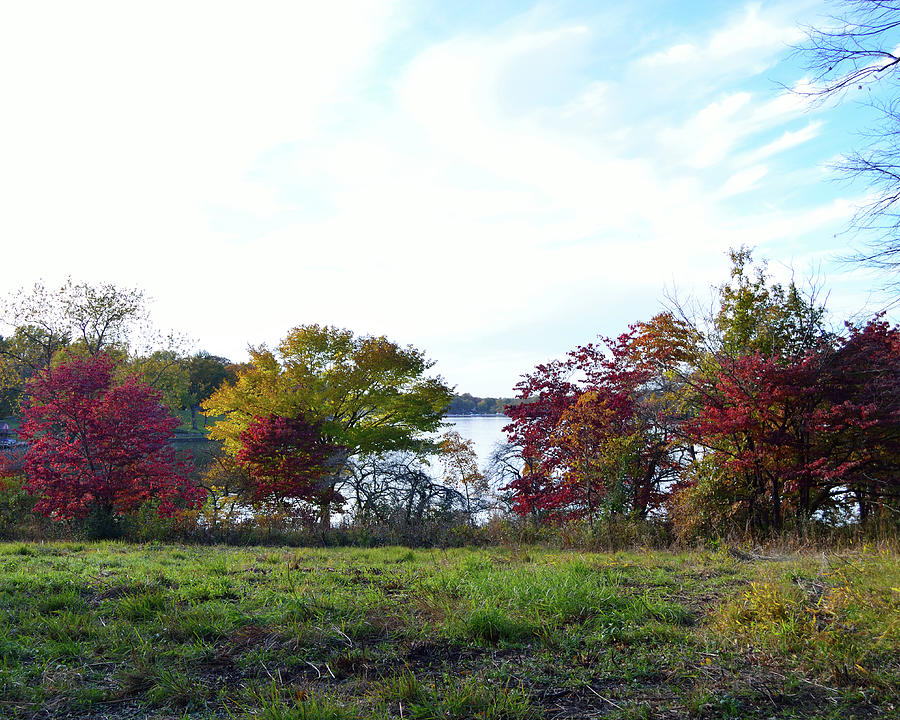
{"points": [[492, 182]]}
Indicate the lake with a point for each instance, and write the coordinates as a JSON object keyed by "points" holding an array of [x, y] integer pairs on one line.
{"points": [[485, 431]]}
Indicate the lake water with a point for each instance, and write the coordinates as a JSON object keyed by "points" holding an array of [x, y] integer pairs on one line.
{"points": [[485, 431]]}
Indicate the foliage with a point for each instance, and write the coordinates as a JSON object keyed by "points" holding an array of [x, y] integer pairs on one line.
{"points": [[757, 315], [287, 459], [206, 373], [369, 394], [808, 434], [225, 483], [16, 519], [165, 372], [548, 393], [95, 317], [756, 419], [366, 396], [27, 350], [461, 471], [467, 404], [95, 445], [589, 431], [80, 319]]}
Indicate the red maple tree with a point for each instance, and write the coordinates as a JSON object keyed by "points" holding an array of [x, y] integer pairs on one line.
{"points": [[547, 393], [809, 433], [861, 417], [287, 458], [757, 417], [590, 433], [98, 444]]}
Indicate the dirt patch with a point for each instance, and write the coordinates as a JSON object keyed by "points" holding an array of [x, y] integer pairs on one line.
{"points": [[431, 655]]}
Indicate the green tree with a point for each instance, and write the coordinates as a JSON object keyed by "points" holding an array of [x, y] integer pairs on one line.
{"points": [[28, 350], [167, 372], [758, 315], [206, 373], [80, 319], [758, 324], [96, 317], [74, 318], [367, 394]]}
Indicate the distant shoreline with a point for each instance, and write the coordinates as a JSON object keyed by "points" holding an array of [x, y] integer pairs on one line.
{"points": [[462, 415]]}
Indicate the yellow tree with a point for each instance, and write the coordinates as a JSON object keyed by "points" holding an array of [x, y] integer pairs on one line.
{"points": [[367, 394], [461, 469]]}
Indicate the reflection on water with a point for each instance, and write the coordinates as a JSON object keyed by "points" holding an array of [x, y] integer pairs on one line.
{"points": [[484, 430]]}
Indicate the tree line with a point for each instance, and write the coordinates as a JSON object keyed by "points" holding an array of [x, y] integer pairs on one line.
{"points": [[467, 404], [753, 418], [50, 325], [326, 423]]}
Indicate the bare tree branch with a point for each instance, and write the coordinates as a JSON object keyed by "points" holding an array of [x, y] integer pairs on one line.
{"points": [[857, 49]]}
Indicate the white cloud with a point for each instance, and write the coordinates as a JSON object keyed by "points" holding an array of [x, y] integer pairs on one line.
{"points": [[685, 52], [502, 184], [789, 139], [751, 40], [714, 132], [123, 123], [743, 181]]}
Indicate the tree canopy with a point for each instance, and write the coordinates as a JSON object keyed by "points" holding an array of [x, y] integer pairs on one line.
{"points": [[752, 418], [368, 394], [98, 444], [52, 324], [365, 395], [286, 459]]}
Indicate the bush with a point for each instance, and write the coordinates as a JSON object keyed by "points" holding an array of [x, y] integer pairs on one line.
{"points": [[18, 521]]}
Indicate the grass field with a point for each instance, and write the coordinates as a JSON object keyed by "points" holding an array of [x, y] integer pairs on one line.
{"points": [[119, 631]]}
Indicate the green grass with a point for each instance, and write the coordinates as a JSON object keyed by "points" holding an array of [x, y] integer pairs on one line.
{"points": [[112, 630]]}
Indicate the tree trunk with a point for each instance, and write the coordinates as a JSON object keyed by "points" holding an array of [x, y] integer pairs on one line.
{"points": [[776, 504], [325, 512]]}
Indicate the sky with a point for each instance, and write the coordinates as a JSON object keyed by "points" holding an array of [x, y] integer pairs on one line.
{"points": [[493, 182]]}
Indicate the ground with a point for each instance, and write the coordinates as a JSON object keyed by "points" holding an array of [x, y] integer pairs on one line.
{"points": [[121, 631]]}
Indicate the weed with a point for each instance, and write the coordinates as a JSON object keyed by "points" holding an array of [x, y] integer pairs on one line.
{"points": [[174, 686], [136, 676], [273, 703], [842, 624], [57, 601], [142, 606], [494, 625], [406, 557], [463, 698], [21, 549], [405, 688]]}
